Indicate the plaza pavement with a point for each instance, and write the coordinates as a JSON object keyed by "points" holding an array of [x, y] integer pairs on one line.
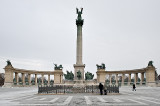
{"points": [[27, 96]]}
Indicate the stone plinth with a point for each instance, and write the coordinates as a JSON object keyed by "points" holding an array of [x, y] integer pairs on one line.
{"points": [[8, 82], [101, 75], [79, 68], [58, 76], [79, 86], [78, 89], [150, 76]]}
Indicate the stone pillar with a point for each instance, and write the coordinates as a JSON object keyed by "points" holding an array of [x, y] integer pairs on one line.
{"points": [[57, 76], [23, 78], [16, 78], [150, 76], [135, 78], [48, 79], [116, 79], [35, 79], [101, 76], [8, 81], [42, 79], [110, 79], [29, 79], [142, 77], [123, 79], [129, 79]]}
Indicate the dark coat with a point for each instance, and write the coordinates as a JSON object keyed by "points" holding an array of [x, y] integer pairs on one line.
{"points": [[100, 86]]}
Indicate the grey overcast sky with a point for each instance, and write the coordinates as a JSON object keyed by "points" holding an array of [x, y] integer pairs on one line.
{"points": [[123, 34]]}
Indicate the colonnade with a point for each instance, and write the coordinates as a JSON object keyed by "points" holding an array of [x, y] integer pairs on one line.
{"points": [[29, 78], [149, 73], [10, 71], [123, 75]]}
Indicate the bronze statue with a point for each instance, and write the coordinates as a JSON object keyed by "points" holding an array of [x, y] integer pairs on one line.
{"points": [[102, 66], [8, 63], [69, 75], [79, 14], [58, 67], [150, 63], [79, 75], [89, 76]]}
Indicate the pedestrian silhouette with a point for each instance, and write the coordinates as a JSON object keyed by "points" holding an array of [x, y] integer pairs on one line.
{"points": [[134, 87], [101, 88]]}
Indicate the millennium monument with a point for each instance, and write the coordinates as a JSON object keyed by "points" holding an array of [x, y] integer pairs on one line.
{"points": [[79, 79], [79, 66]]}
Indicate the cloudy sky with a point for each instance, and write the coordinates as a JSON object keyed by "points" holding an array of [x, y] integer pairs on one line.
{"points": [[123, 34]]}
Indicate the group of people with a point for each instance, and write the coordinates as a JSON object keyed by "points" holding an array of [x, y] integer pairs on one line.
{"points": [[101, 88]]}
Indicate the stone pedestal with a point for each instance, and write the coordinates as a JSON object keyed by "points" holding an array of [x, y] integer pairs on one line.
{"points": [[101, 76], [79, 86], [58, 76], [150, 76], [79, 68], [8, 82]]}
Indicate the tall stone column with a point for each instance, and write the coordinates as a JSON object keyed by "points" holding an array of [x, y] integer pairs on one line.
{"points": [[79, 66], [48, 79], [142, 77], [129, 79], [23, 78], [29, 79], [116, 79], [35, 79], [16, 78]]}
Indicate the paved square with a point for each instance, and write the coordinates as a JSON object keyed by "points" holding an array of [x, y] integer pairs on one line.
{"points": [[29, 97]]}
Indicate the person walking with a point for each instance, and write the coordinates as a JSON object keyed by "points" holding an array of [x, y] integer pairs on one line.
{"points": [[134, 87], [101, 88]]}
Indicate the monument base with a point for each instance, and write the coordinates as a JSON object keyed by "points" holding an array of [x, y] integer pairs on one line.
{"points": [[79, 86], [79, 83]]}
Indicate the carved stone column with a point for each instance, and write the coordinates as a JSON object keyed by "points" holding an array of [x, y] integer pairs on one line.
{"points": [[110, 79], [42, 79], [135, 78], [35, 79], [17, 78], [123, 79], [23, 78], [142, 77], [116, 79], [129, 79], [29, 79], [48, 79]]}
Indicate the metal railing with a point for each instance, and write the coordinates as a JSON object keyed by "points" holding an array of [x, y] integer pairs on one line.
{"points": [[55, 89]]}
